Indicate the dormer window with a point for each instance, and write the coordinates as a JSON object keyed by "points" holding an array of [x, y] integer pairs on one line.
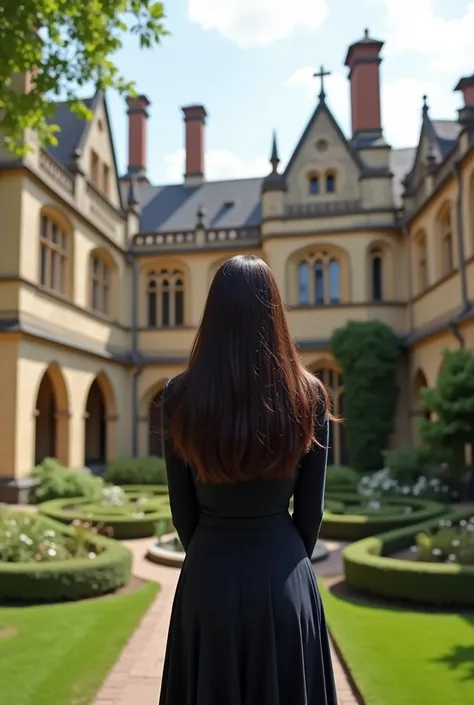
{"points": [[330, 182], [314, 185]]}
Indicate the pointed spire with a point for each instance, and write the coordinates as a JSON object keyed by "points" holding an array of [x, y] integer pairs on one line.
{"points": [[274, 158], [426, 107], [133, 198]]}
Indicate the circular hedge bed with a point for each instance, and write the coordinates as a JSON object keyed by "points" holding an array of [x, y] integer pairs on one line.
{"points": [[131, 514], [71, 579], [350, 517], [369, 568]]}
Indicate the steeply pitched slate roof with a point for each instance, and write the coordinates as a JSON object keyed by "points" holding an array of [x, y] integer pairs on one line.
{"points": [[228, 204], [72, 131], [447, 132]]}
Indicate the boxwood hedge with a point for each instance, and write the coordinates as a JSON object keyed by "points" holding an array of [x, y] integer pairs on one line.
{"points": [[392, 515], [369, 568], [122, 521], [73, 579]]}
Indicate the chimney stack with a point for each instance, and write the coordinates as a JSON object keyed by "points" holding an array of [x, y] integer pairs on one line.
{"points": [[363, 60], [137, 127], [466, 113], [195, 120]]}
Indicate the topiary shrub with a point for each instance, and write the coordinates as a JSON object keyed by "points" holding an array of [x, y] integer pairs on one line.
{"points": [[370, 566], [56, 481], [52, 572], [361, 517], [137, 471], [368, 353]]}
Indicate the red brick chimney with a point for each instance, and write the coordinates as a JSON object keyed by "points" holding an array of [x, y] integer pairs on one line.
{"points": [[195, 120], [137, 126], [363, 60], [466, 113]]}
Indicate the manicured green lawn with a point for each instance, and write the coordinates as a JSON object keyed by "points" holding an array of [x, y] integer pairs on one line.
{"points": [[401, 656], [60, 654]]}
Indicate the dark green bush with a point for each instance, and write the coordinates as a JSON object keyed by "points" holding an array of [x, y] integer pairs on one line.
{"points": [[368, 353], [136, 471], [369, 567], [409, 463], [71, 579], [393, 512], [341, 479], [135, 518], [55, 481]]}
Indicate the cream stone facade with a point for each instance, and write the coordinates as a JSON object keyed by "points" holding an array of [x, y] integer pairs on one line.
{"points": [[103, 280]]}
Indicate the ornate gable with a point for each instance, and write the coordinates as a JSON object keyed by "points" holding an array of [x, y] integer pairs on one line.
{"points": [[323, 165], [97, 154]]}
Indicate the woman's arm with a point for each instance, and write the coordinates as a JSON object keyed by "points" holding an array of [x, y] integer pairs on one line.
{"points": [[182, 492], [308, 498]]}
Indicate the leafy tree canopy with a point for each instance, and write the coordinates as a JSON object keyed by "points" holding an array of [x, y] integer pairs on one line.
{"points": [[64, 45], [451, 403]]}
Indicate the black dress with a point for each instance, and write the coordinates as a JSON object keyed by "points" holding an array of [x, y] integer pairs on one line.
{"points": [[247, 625]]}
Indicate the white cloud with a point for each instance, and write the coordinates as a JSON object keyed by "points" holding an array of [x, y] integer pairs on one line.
{"points": [[446, 45], [219, 164], [250, 23]]}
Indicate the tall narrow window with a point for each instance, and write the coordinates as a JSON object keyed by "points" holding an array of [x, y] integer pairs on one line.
{"points": [[106, 179], [334, 281], [151, 303], [377, 275], [446, 232], [100, 285], [95, 168], [332, 380], [330, 183], [53, 256], [314, 185], [422, 264], [165, 299], [319, 281], [303, 284]]}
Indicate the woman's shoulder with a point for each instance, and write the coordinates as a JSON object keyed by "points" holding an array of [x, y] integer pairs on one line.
{"points": [[171, 387]]}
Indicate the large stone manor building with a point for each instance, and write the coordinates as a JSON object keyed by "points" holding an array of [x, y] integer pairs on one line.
{"points": [[103, 279]]}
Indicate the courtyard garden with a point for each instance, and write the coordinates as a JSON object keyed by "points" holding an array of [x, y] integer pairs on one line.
{"points": [[395, 560]]}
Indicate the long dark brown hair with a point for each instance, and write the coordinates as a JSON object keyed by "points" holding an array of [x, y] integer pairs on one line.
{"points": [[246, 407]]}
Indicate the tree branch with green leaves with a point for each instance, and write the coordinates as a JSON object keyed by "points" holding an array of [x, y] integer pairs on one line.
{"points": [[64, 45]]}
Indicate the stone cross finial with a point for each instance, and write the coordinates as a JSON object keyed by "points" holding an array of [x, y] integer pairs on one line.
{"points": [[321, 75]]}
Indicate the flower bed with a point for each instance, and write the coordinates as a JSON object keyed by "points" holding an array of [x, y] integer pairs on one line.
{"points": [[44, 561], [128, 513], [369, 567], [361, 517]]}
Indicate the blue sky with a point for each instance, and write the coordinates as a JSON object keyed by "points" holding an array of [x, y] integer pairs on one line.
{"points": [[250, 63]]}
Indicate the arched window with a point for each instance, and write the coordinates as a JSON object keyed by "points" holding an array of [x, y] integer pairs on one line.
{"points": [[303, 283], [319, 280], [376, 265], [332, 380], [101, 282], [446, 238], [422, 263], [330, 182], [314, 184], [165, 298], [54, 255]]}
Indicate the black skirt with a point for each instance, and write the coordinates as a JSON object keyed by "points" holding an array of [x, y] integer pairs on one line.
{"points": [[247, 626]]}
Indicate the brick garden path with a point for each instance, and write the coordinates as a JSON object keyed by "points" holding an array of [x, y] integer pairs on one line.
{"points": [[136, 677]]}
